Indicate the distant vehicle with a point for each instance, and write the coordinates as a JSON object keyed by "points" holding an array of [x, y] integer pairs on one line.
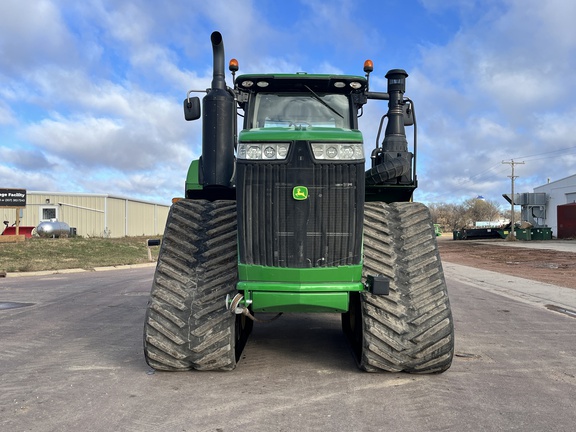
{"points": [[437, 230]]}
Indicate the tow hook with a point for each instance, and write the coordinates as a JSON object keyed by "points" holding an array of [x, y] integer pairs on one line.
{"points": [[237, 304]]}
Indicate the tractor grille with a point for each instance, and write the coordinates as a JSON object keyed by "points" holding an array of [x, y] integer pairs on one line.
{"points": [[279, 231]]}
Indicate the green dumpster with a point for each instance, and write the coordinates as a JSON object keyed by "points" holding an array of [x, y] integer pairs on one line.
{"points": [[456, 235], [523, 234], [541, 233]]}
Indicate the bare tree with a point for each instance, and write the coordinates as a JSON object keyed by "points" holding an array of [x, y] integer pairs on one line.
{"points": [[456, 216], [507, 213], [448, 216], [481, 210]]}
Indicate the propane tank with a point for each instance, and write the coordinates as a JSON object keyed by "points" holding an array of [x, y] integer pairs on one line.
{"points": [[53, 228]]}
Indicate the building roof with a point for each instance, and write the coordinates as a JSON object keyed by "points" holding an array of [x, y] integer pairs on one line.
{"points": [[573, 176], [96, 195]]}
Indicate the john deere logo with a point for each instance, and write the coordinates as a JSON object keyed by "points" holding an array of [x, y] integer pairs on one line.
{"points": [[300, 193]]}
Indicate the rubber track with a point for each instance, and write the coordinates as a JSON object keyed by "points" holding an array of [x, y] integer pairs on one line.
{"points": [[411, 329], [187, 325]]}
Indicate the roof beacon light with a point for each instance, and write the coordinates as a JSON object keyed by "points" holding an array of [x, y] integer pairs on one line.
{"points": [[233, 66], [368, 68]]}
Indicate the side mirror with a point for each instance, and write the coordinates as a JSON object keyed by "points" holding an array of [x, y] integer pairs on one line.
{"points": [[192, 108]]}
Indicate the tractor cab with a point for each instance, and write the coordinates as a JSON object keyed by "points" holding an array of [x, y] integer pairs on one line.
{"points": [[299, 100]]}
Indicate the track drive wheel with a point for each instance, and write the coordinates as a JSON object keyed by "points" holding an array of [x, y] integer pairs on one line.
{"points": [[187, 323], [411, 329]]}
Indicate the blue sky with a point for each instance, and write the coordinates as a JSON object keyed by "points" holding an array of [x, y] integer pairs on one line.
{"points": [[91, 92]]}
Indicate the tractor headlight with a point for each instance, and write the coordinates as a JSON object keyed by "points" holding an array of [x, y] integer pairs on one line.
{"points": [[263, 151], [338, 151]]}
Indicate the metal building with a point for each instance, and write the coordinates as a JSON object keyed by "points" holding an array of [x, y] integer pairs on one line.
{"points": [[559, 192], [94, 215]]}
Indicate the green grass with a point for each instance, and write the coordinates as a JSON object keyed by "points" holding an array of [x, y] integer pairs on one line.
{"points": [[38, 254]]}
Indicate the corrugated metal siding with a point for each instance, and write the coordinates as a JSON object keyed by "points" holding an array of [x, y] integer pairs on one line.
{"points": [[85, 213], [116, 217], [141, 218], [161, 217], [94, 215]]}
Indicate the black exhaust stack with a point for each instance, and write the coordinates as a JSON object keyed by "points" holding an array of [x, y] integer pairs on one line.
{"points": [[395, 135], [218, 131], [392, 162]]}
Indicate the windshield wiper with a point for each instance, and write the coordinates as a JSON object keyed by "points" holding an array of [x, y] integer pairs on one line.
{"points": [[323, 102]]}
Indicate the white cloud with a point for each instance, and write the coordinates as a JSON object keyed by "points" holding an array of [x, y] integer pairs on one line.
{"points": [[132, 142], [27, 159], [503, 87], [102, 94], [7, 116], [11, 177], [33, 33]]}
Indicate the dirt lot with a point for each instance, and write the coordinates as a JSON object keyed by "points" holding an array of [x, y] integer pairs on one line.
{"points": [[554, 267]]}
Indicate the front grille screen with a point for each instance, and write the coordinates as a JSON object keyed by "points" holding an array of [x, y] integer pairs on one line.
{"points": [[322, 230]]}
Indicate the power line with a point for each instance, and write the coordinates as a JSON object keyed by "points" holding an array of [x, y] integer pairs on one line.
{"points": [[525, 157], [549, 152], [462, 184], [485, 171], [549, 157], [480, 175]]}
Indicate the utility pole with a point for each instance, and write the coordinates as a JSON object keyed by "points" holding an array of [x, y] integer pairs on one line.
{"points": [[511, 162]]}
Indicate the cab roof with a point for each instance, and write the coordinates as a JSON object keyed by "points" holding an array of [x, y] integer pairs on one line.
{"points": [[271, 83]]}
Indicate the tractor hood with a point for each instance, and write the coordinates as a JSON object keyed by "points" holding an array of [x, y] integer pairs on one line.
{"points": [[300, 133]]}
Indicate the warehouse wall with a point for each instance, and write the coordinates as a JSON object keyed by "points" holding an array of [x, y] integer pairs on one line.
{"points": [[93, 215], [116, 220], [559, 192]]}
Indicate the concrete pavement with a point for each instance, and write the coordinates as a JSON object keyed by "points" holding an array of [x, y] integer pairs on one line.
{"points": [[556, 245], [72, 359], [525, 290]]}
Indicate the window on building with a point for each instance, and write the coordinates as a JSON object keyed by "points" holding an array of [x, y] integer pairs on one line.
{"points": [[47, 213]]}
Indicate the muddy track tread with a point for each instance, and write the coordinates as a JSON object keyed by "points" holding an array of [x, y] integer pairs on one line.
{"points": [[411, 329], [187, 325]]}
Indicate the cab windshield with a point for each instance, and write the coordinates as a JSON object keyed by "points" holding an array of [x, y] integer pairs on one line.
{"points": [[300, 109]]}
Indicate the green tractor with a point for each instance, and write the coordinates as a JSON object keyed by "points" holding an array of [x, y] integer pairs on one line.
{"points": [[283, 217]]}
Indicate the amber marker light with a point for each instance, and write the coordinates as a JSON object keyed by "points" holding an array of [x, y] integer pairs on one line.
{"points": [[233, 66], [368, 66]]}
